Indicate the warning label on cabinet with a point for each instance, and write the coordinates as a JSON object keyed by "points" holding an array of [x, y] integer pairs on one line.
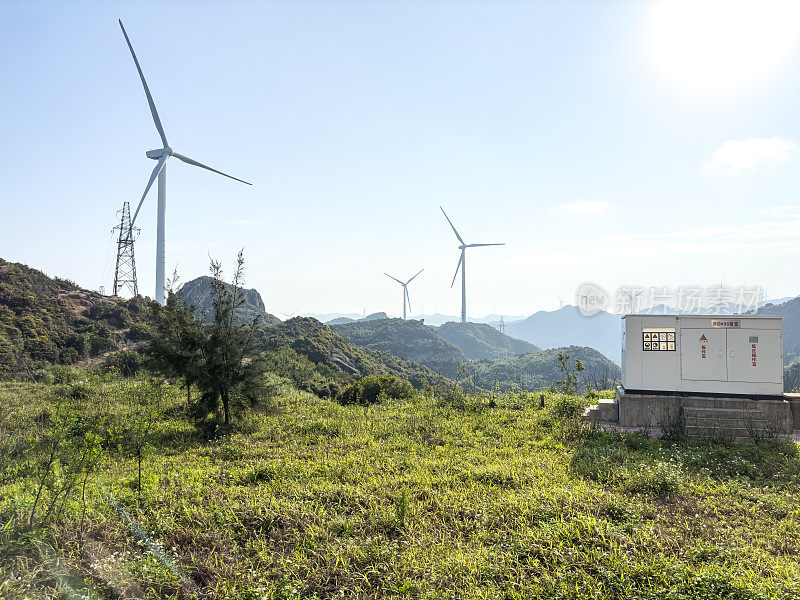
{"points": [[660, 339]]}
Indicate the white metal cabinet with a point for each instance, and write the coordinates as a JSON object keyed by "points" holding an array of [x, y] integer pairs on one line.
{"points": [[712, 354]]}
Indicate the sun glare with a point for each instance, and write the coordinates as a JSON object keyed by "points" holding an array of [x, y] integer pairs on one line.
{"points": [[715, 47]]}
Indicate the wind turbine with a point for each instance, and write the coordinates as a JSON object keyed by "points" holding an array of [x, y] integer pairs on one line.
{"points": [[463, 266], [160, 171], [405, 290]]}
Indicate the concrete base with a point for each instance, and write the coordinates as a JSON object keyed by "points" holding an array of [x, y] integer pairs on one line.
{"points": [[736, 419]]}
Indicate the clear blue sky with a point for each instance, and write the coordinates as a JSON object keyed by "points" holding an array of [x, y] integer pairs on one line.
{"points": [[619, 142]]}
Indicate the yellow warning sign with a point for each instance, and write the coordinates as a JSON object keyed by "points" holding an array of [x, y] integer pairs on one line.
{"points": [[703, 338]]}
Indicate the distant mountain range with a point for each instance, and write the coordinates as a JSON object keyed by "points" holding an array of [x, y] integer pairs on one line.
{"points": [[567, 326], [343, 320], [486, 355], [435, 319]]}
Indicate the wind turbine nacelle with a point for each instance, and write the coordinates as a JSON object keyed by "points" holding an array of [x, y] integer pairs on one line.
{"points": [[156, 154]]}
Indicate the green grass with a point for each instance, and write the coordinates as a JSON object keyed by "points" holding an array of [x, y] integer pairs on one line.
{"points": [[407, 499]]}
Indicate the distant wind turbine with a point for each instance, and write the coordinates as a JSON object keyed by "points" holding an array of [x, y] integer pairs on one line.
{"points": [[160, 171], [406, 297], [463, 266]]}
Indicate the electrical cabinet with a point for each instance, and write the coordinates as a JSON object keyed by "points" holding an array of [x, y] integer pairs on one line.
{"points": [[705, 354]]}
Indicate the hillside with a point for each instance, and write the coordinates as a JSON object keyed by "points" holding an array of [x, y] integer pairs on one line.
{"points": [[479, 341], [50, 320], [197, 293], [344, 319], [333, 357], [534, 370], [568, 327], [409, 339], [538, 370]]}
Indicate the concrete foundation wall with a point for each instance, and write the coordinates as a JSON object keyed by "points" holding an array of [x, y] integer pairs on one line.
{"points": [[700, 416]]}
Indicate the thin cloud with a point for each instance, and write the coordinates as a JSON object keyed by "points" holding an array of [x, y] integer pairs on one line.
{"points": [[582, 207], [736, 156]]}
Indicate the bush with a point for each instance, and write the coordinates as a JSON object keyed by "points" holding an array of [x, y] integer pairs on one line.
{"points": [[658, 479], [375, 388], [63, 374], [43, 376], [81, 390], [138, 332], [568, 407], [127, 362]]}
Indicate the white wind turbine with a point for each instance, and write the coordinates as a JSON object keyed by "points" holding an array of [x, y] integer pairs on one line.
{"points": [[406, 297], [463, 266], [160, 171]]}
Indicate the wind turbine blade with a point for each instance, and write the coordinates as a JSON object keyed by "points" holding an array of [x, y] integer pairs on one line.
{"points": [[190, 161], [412, 279], [451, 225], [458, 266], [156, 171], [408, 299], [476, 245], [395, 278], [153, 110]]}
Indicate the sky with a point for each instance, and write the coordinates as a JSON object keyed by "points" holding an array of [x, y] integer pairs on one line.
{"points": [[619, 143]]}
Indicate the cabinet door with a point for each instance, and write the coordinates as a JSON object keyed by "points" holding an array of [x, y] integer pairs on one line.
{"points": [[754, 355], [703, 355]]}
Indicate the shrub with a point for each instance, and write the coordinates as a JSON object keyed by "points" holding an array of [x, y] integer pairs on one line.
{"points": [[81, 390], [63, 374], [127, 362], [138, 332], [657, 479], [568, 407], [375, 388], [43, 376]]}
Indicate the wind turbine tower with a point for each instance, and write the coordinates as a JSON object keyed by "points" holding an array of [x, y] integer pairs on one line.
{"points": [[161, 155], [406, 298], [463, 266]]}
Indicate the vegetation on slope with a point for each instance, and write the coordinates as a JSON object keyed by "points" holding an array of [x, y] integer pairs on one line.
{"points": [[420, 498], [316, 358], [539, 370], [45, 320], [479, 341], [48, 320], [410, 339]]}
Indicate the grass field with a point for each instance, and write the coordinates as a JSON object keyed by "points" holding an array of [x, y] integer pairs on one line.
{"points": [[485, 498]]}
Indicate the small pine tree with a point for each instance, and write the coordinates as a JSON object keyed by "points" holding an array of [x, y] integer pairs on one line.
{"points": [[176, 347], [232, 370]]}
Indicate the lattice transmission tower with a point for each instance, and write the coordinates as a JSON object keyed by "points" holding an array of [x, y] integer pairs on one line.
{"points": [[125, 272]]}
